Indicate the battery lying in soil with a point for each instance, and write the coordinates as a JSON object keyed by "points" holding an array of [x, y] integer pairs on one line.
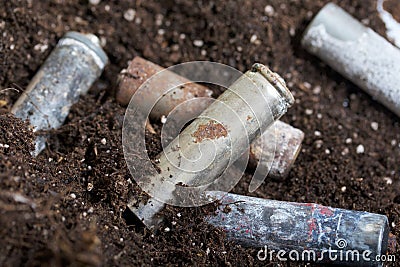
{"points": [[357, 52], [69, 71], [328, 235]]}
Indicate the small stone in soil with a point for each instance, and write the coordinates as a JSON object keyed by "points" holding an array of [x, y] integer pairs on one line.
{"points": [[198, 43], [374, 126], [129, 15], [360, 149]]}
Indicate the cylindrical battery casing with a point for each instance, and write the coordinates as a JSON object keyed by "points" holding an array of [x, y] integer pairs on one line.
{"points": [[223, 132], [275, 151], [284, 149], [139, 70], [69, 71], [357, 52], [309, 229]]}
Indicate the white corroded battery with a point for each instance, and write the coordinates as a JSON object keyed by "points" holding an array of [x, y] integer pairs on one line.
{"points": [[356, 52]]}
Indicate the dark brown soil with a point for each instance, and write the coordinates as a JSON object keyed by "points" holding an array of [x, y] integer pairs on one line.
{"points": [[50, 215]]}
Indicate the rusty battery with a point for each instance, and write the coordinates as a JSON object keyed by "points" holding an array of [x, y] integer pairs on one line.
{"points": [[139, 70], [273, 153]]}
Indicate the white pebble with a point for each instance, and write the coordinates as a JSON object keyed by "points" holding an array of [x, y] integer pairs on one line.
{"points": [[159, 19], [388, 180], [84, 214], [207, 251], [4, 145], [343, 189], [318, 143], [292, 31], [41, 47], [198, 43], [253, 38], [393, 142], [72, 195], [317, 90], [307, 85], [121, 240], [327, 151], [167, 229], [103, 41], [360, 149], [349, 141], [90, 210], [103, 141], [345, 151], [374, 126], [173, 223], [163, 119], [269, 10], [129, 15], [107, 8], [89, 187], [319, 116], [161, 32], [317, 133], [94, 2], [309, 111], [178, 215], [393, 224]]}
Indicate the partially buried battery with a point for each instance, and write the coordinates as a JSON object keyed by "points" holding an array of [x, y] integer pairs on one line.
{"points": [[69, 71], [302, 231], [356, 52]]}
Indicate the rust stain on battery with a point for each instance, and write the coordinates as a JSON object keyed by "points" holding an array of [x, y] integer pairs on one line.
{"points": [[211, 130]]}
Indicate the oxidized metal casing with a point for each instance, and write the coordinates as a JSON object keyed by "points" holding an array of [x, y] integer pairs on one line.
{"points": [[139, 70], [300, 227], [69, 71], [356, 52]]}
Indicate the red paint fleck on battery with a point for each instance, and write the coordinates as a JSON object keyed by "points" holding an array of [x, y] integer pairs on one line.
{"points": [[325, 211]]}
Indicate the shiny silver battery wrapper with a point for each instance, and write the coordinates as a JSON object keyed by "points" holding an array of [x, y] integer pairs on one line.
{"points": [[68, 72], [356, 52]]}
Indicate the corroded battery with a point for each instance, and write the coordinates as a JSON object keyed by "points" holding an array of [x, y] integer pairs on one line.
{"points": [[69, 71], [305, 231], [273, 153], [356, 52], [139, 70], [214, 141]]}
